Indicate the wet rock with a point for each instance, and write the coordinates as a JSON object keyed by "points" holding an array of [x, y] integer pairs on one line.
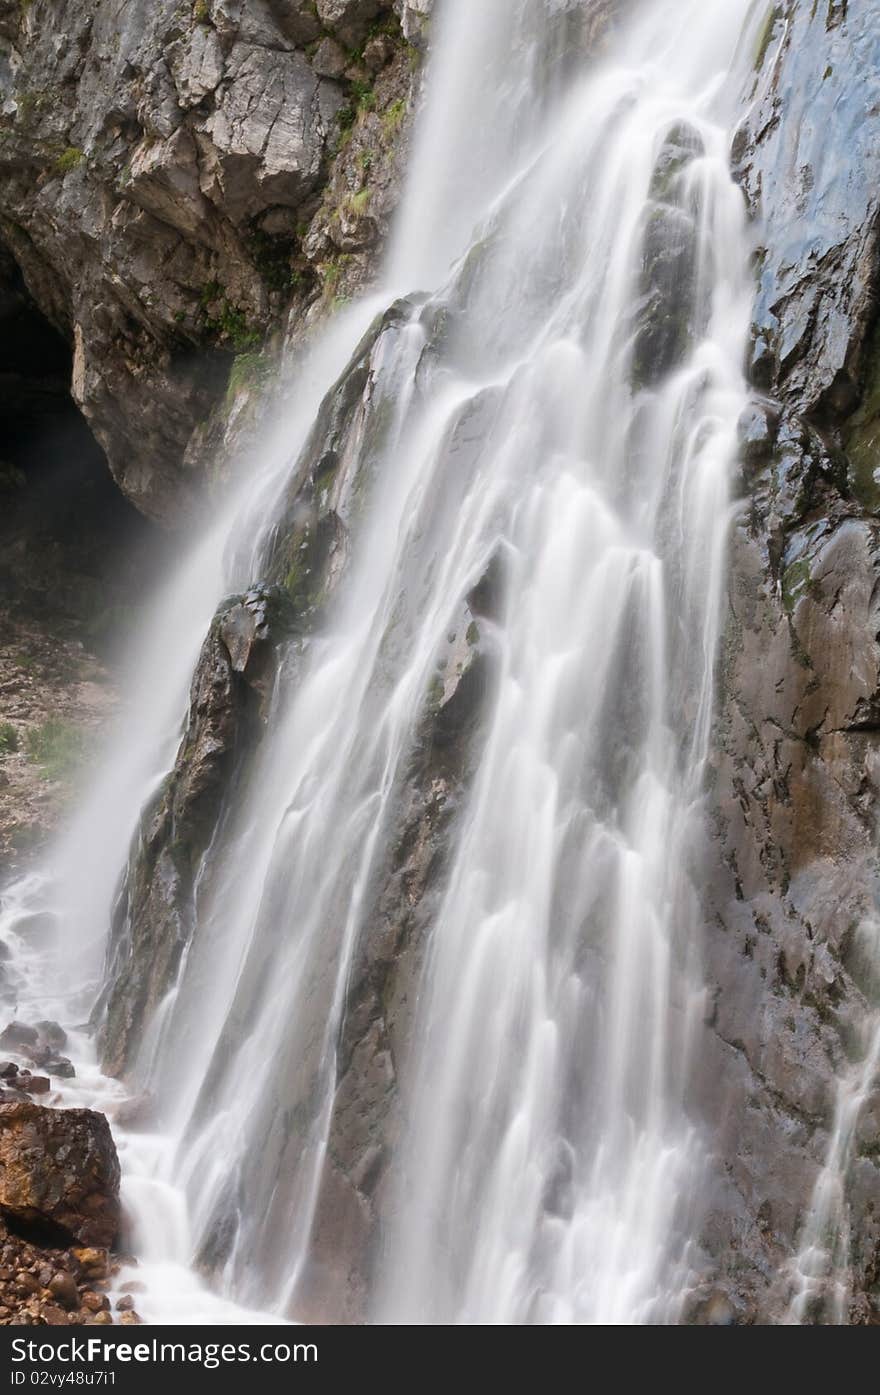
{"points": [[63, 1289], [101, 1319], [487, 597], [58, 1168], [60, 1066], [153, 918], [681, 147], [18, 1036], [38, 1043], [795, 773], [125, 1304], [813, 312], [665, 322], [93, 1262], [33, 1084], [95, 1302], [384, 983], [52, 1034], [139, 1110]]}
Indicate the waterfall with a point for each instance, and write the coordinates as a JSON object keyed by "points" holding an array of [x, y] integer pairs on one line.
{"points": [[537, 482], [819, 1272]]}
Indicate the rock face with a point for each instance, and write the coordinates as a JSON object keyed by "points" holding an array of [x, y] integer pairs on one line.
{"points": [[179, 842], [793, 909], [159, 169], [182, 177], [154, 915], [59, 1170]]}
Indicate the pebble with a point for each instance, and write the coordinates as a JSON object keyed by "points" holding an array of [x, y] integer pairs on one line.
{"points": [[95, 1302], [93, 1262]]}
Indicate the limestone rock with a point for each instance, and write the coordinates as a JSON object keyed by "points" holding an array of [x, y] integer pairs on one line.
{"points": [[349, 20], [267, 132], [159, 165]]}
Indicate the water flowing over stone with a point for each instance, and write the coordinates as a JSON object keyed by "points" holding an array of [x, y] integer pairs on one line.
{"points": [[405, 955], [507, 421]]}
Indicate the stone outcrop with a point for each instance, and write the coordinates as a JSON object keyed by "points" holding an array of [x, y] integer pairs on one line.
{"points": [[797, 761], [180, 838], [154, 914], [160, 169], [59, 1173]]}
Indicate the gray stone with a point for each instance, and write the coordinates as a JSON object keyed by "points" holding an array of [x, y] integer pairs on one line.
{"points": [[173, 132], [330, 59], [349, 20]]}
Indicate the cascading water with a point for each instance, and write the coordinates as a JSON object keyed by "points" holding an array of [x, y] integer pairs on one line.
{"points": [[549, 1153], [557, 412], [820, 1272]]}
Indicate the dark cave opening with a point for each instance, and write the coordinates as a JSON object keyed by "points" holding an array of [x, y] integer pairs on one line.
{"points": [[73, 551]]}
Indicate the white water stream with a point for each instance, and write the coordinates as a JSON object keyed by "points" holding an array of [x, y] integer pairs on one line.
{"points": [[549, 1167]]}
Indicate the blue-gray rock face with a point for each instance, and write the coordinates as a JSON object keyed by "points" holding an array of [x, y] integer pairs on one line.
{"points": [[811, 166]]}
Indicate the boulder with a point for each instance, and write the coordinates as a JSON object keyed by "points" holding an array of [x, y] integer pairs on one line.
{"points": [[33, 1084], [59, 1169], [18, 1036], [52, 1033]]}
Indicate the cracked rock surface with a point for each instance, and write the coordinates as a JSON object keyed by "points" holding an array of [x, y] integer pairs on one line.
{"points": [[797, 758], [160, 166]]}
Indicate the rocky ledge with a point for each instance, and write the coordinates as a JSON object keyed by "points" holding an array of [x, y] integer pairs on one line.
{"points": [[179, 180]]}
